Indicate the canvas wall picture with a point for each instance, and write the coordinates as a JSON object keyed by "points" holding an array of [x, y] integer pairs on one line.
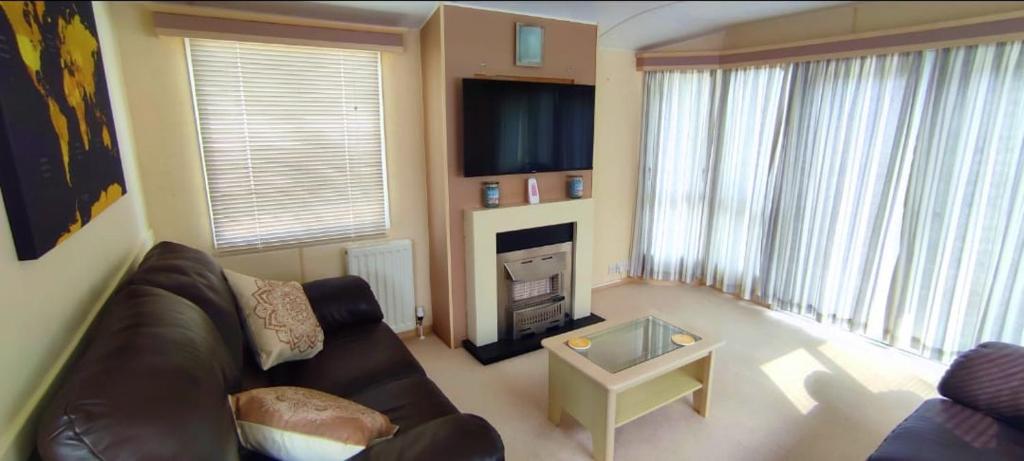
{"points": [[59, 162]]}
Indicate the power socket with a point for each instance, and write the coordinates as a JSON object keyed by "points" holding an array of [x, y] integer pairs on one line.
{"points": [[620, 267]]}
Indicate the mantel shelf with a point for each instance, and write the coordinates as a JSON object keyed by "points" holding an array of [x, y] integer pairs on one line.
{"points": [[523, 205]]}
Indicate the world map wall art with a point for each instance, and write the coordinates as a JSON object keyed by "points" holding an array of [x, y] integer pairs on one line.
{"points": [[59, 162]]}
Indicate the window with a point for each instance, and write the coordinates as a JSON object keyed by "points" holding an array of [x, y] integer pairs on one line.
{"points": [[292, 142], [883, 194]]}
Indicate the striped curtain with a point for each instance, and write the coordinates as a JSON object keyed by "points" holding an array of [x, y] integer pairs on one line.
{"points": [[959, 280], [712, 178], [883, 194], [671, 222], [841, 172], [752, 109]]}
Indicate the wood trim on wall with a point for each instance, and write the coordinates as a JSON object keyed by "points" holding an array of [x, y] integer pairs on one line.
{"points": [[435, 132], [517, 78], [986, 29], [183, 25]]}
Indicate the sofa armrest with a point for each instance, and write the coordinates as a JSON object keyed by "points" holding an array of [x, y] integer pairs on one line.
{"points": [[342, 301], [989, 379], [458, 437]]}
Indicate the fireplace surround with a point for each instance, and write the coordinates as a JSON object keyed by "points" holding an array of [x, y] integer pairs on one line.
{"points": [[485, 231]]}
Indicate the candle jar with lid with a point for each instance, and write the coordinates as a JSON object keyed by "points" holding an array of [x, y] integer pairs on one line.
{"points": [[575, 186], [491, 194]]}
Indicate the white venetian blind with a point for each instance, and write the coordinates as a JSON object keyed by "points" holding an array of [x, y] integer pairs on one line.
{"points": [[292, 142]]}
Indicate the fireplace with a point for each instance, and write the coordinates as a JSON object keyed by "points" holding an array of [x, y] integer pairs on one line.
{"points": [[534, 286], [533, 292], [521, 279]]}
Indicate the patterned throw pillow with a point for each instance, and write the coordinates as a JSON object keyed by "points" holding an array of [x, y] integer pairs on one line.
{"points": [[299, 424], [281, 324]]}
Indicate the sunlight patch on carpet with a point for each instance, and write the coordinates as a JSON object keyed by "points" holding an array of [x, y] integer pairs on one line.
{"points": [[789, 374]]}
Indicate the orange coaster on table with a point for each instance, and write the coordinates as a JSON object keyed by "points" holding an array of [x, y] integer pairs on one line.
{"points": [[683, 339], [579, 343]]}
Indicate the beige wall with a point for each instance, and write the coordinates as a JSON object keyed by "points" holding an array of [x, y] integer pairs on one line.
{"points": [[170, 166], [48, 302], [838, 21], [616, 159]]}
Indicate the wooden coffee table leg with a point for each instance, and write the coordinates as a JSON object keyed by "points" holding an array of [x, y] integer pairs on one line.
{"points": [[589, 403], [554, 392], [702, 396], [602, 430]]}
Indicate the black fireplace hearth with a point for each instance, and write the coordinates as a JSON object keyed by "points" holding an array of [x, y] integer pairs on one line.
{"points": [[508, 348]]}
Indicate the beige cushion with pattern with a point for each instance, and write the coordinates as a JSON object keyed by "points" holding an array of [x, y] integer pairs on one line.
{"points": [[299, 424], [281, 324]]}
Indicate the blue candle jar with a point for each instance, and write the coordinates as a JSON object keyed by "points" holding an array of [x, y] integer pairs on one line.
{"points": [[492, 195], [575, 186]]}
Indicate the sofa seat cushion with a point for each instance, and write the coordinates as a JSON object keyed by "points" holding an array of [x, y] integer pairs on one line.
{"points": [[353, 359], [459, 437], [408, 402], [941, 429]]}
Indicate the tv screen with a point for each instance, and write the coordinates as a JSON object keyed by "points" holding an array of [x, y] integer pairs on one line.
{"points": [[523, 127]]}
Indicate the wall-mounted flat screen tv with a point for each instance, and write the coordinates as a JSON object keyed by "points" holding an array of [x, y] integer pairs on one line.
{"points": [[524, 127]]}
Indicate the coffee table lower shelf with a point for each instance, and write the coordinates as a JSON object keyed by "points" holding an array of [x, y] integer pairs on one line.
{"points": [[649, 396], [601, 409]]}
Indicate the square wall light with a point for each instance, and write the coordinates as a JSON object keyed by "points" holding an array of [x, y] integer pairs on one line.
{"points": [[529, 45]]}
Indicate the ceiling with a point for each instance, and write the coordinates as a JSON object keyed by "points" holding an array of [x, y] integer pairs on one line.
{"points": [[627, 25]]}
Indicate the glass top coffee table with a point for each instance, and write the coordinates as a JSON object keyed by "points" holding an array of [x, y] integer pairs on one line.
{"points": [[633, 343], [615, 372]]}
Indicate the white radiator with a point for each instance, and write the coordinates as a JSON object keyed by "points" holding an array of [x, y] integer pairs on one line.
{"points": [[388, 268]]}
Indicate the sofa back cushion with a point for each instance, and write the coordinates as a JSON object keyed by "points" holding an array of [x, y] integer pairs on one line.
{"points": [[341, 302], [149, 383], [196, 276], [989, 379]]}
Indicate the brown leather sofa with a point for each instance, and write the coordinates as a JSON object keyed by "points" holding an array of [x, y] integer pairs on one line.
{"points": [[151, 379]]}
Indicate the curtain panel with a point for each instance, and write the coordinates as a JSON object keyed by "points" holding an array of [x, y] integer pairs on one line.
{"points": [[882, 194], [840, 177], [960, 275], [703, 214]]}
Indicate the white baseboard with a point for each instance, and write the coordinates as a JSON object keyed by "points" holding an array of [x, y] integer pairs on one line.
{"points": [[614, 283]]}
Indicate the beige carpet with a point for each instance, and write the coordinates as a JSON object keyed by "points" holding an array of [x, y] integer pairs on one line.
{"points": [[783, 388]]}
